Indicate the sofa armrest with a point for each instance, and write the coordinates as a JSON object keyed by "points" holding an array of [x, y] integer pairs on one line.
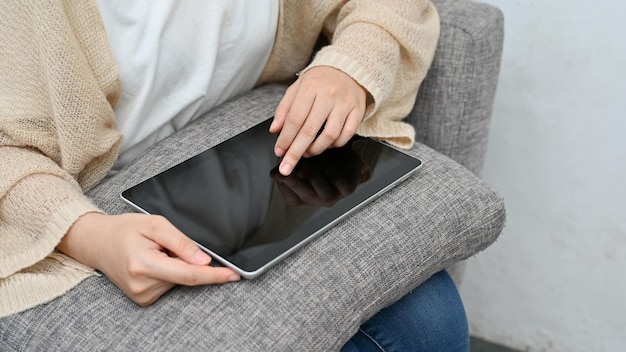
{"points": [[453, 108]]}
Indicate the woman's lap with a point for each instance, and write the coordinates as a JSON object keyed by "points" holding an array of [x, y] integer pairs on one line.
{"points": [[97, 316], [429, 318]]}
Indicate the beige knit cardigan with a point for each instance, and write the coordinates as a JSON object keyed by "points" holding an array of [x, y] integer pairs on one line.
{"points": [[59, 85]]}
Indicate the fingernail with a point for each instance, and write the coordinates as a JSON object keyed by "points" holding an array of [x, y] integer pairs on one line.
{"points": [[201, 258], [285, 169], [233, 278], [279, 151]]}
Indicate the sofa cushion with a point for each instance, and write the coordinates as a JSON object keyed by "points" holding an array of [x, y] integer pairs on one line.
{"points": [[314, 300]]}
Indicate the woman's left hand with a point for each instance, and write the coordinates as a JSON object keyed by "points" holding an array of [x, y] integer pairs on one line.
{"points": [[322, 98]]}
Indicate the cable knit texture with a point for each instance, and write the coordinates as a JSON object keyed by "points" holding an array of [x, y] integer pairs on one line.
{"points": [[59, 85]]}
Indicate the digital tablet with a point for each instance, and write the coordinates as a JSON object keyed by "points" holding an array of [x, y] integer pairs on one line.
{"points": [[232, 201]]}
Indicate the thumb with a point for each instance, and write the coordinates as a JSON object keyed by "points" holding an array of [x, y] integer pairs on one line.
{"points": [[162, 232]]}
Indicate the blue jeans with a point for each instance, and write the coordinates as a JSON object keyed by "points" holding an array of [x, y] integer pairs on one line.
{"points": [[430, 318]]}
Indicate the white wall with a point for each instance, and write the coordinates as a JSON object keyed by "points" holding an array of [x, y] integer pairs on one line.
{"points": [[556, 278]]}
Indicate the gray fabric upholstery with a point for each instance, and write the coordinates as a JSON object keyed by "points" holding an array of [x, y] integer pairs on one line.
{"points": [[453, 108], [316, 299]]}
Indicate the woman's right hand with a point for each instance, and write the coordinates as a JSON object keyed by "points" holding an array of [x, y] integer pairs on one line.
{"points": [[144, 255]]}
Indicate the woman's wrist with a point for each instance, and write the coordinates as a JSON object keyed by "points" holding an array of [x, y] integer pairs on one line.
{"points": [[78, 241]]}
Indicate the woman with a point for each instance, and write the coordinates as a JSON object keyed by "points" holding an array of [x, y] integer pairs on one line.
{"points": [[77, 75]]}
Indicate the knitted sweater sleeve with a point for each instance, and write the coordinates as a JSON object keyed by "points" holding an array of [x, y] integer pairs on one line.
{"points": [[57, 139], [387, 47]]}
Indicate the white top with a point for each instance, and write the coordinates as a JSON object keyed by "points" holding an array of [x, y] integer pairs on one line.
{"points": [[178, 59]]}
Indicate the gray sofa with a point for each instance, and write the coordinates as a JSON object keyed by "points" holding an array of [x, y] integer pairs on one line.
{"points": [[316, 299]]}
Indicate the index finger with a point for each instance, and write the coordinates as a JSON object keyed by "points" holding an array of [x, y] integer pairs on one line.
{"points": [[300, 140], [293, 123]]}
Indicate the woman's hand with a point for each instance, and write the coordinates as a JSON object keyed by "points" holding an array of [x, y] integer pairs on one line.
{"points": [[322, 96], [144, 255]]}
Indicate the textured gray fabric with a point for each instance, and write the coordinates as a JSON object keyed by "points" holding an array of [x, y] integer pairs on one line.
{"points": [[452, 112], [453, 108], [5, 347], [316, 299]]}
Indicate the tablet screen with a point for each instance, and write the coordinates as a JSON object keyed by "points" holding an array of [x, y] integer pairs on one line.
{"points": [[233, 202]]}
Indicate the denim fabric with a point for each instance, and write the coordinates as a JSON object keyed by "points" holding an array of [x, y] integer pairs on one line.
{"points": [[430, 318]]}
